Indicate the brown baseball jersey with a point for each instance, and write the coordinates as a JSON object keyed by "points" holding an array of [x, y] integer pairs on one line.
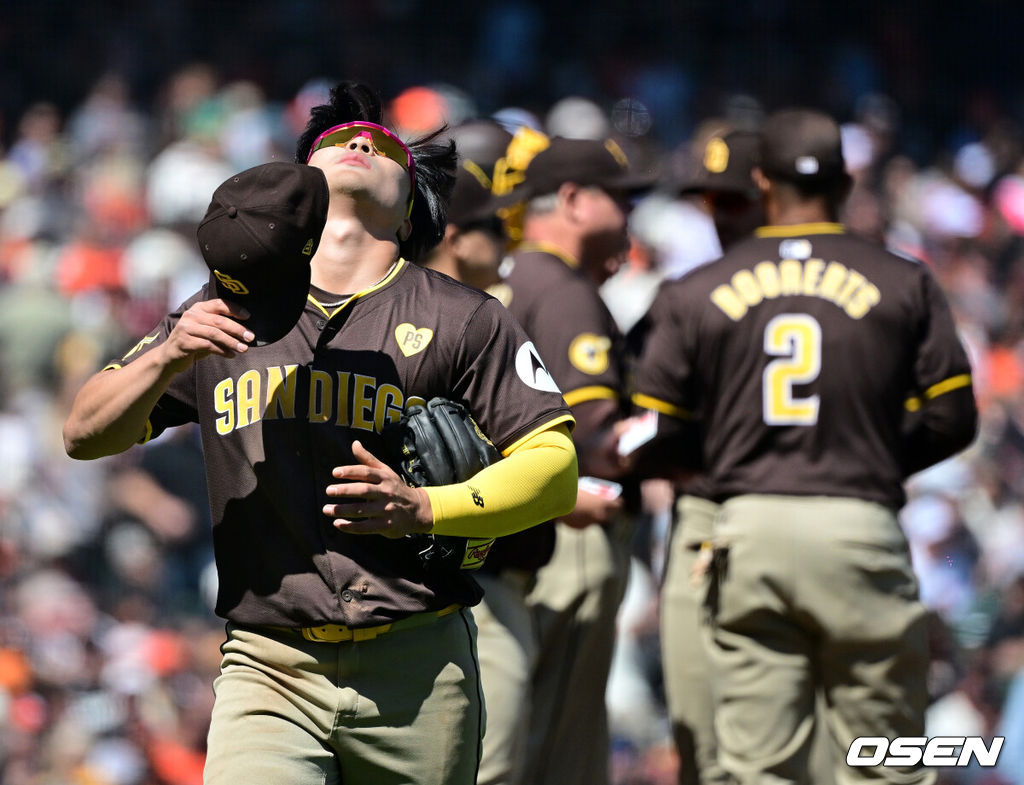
{"points": [[800, 353], [277, 419], [572, 329]]}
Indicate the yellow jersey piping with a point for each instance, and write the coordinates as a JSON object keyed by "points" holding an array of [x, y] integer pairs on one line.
{"points": [[946, 385], [662, 407], [798, 230], [592, 393], [399, 266]]}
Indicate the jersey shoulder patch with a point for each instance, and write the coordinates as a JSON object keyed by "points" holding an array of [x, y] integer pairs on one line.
{"points": [[530, 368], [589, 353]]}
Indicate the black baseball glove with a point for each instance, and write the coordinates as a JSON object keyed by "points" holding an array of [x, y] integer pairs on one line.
{"points": [[441, 444]]}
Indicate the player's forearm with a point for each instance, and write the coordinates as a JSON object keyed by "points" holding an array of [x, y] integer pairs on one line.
{"points": [[111, 410], [535, 483]]}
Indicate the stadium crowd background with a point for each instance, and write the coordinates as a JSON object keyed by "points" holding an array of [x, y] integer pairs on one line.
{"points": [[118, 120]]}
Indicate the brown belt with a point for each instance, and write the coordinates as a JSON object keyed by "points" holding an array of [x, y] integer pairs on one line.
{"points": [[339, 633]]}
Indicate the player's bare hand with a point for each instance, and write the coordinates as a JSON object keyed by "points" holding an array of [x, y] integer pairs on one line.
{"points": [[375, 500], [208, 327], [592, 508]]}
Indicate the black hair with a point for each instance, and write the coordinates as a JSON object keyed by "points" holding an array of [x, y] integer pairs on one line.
{"points": [[436, 161]]}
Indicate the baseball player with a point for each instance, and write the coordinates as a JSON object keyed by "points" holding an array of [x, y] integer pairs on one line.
{"points": [[474, 240], [346, 659], [506, 643], [721, 176], [817, 372], [576, 194]]}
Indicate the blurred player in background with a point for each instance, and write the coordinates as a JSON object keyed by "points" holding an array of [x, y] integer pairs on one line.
{"points": [[816, 371]]}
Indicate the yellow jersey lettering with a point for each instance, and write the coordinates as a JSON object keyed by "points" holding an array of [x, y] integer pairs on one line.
{"points": [[832, 280], [853, 283], [320, 394], [281, 386], [791, 277], [812, 276], [343, 378], [866, 298], [388, 406], [729, 302], [248, 398], [767, 275], [224, 405], [745, 284], [362, 402]]}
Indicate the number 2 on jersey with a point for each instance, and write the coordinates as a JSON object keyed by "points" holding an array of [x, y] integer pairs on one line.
{"points": [[795, 339]]}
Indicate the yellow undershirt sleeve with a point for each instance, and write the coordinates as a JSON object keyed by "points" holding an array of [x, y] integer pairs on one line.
{"points": [[534, 483]]}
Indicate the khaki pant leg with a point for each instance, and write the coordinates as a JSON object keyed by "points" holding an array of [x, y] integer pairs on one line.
{"points": [[402, 709], [273, 713], [574, 604], [762, 657], [685, 665], [874, 654], [507, 648], [826, 581]]}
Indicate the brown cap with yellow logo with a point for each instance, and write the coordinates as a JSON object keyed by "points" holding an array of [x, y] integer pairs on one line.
{"points": [[724, 164], [259, 233]]}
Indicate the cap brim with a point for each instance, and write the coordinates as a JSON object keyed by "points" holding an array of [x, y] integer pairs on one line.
{"points": [[274, 308]]}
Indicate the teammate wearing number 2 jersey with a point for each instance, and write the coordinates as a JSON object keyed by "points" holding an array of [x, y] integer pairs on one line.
{"points": [[818, 372]]}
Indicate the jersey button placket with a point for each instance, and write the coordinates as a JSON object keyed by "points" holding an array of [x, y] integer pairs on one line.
{"points": [[347, 595]]}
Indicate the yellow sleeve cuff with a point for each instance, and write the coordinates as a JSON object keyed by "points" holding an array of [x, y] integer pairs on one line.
{"points": [[535, 482]]}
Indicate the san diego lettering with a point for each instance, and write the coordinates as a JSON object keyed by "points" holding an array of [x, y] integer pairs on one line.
{"points": [[343, 398]]}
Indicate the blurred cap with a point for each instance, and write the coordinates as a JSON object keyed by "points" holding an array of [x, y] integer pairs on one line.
{"points": [[260, 232], [802, 146], [479, 143], [482, 141], [575, 117], [725, 164], [584, 162]]}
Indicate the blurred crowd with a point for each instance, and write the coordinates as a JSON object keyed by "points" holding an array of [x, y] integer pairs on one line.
{"points": [[108, 645]]}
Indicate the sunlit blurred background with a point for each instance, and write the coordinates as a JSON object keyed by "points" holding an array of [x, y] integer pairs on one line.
{"points": [[119, 118]]}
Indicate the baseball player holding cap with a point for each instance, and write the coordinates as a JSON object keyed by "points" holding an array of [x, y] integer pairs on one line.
{"points": [[576, 195], [817, 371], [346, 659]]}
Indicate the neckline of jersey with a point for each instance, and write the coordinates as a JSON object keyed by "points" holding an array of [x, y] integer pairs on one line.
{"points": [[552, 250], [390, 276], [799, 230]]}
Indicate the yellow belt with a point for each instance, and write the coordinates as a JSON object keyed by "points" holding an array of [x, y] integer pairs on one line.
{"points": [[339, 633]]}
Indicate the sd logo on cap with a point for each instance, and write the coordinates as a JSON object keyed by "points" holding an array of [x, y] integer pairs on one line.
{"points": [[259, 233]]}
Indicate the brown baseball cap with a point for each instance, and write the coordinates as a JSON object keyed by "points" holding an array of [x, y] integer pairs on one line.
{"points": [[802, 146], [260, 231], [584, 162], [724, 164], [479, 143]]}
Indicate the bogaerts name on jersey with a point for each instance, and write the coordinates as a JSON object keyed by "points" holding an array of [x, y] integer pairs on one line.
{"points": [[346, 399], [831, 281]]}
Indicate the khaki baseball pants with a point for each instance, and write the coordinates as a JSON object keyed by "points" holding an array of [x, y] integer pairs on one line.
{"points": [[402, 709], [813, 593], [507, 647], [574, 604]]}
